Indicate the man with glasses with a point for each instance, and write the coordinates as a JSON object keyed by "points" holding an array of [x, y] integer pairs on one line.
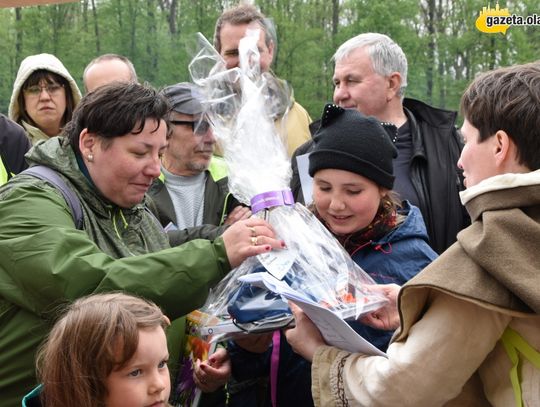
{"points": [[191, 196]]}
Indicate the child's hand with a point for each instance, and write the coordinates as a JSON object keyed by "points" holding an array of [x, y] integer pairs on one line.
{"points": [[387, 317], [213, 373]]}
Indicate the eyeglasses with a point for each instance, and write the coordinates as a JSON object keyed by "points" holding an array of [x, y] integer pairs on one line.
{"points": [[50, 88], [198, 127]]}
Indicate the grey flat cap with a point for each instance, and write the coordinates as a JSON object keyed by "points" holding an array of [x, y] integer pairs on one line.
{"points": [[184, 97]]}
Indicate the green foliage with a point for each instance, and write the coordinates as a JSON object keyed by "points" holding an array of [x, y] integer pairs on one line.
{"points": [[441, 42]]}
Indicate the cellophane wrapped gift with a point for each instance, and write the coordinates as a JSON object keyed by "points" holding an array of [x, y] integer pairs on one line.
{"points": [[241, 104]]}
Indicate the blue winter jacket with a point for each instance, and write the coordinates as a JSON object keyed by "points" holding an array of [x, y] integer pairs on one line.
{"points": [[395, 258]]}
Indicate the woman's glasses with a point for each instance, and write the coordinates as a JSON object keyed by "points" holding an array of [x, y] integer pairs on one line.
{"points": [[50, 88]]}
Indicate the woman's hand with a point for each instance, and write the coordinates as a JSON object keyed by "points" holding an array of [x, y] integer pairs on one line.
{"points": [[305, 337], [387, 317], [247, 238], [213, 373]]}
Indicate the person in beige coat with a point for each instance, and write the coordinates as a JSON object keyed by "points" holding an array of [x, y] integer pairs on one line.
{"points": [[469, 323], [44, 96]]}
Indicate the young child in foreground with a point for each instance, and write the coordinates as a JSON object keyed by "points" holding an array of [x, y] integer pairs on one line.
{"points": [[106, 350]]}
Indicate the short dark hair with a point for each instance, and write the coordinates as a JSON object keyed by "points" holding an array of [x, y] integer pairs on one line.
{"points": [[49, 77], [244, 14], [115, 110], [508, 99]]}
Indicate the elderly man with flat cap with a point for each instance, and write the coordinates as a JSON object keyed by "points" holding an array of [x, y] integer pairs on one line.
{"points": [[191, 197]]}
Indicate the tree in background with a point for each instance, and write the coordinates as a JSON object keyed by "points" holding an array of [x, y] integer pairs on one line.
{"points": [[439, 37]]}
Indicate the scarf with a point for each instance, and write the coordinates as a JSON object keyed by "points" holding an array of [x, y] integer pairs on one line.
{"points": [[385, 220]]}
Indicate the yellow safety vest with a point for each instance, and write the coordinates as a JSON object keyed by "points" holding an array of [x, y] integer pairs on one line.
{"points": [[3, 173], [514, 343]]}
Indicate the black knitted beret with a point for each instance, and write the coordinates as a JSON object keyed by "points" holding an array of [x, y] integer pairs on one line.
{"points": [[348, 140]]}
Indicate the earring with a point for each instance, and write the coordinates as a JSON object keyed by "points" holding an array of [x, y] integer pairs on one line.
{"points": [[90, 157]]}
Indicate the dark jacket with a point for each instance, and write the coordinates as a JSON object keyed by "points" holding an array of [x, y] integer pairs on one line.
{"points": [[434, 174], [437, 146], [218, 203], [13, 146], [250, 385]]}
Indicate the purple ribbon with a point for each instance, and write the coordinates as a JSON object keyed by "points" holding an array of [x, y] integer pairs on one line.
{"points": [[271, 199], [274, 367]]}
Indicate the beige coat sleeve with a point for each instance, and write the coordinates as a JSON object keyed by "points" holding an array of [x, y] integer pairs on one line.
{"points": [[429, 368]]}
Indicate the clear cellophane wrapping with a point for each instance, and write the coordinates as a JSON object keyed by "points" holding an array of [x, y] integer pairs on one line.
{"points": [[241, 104]]}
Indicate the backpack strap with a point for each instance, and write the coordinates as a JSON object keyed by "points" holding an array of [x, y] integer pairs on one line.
{"points": [[52, 176]]}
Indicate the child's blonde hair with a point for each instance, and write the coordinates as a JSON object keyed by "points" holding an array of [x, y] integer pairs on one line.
{"points": [[97, 334]]}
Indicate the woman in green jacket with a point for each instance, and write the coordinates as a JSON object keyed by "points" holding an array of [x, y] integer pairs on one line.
{"points": [[108, 156]]}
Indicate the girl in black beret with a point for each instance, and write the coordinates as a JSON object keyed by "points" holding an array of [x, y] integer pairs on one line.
{"points": [[352, 193], [352, 172]]}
